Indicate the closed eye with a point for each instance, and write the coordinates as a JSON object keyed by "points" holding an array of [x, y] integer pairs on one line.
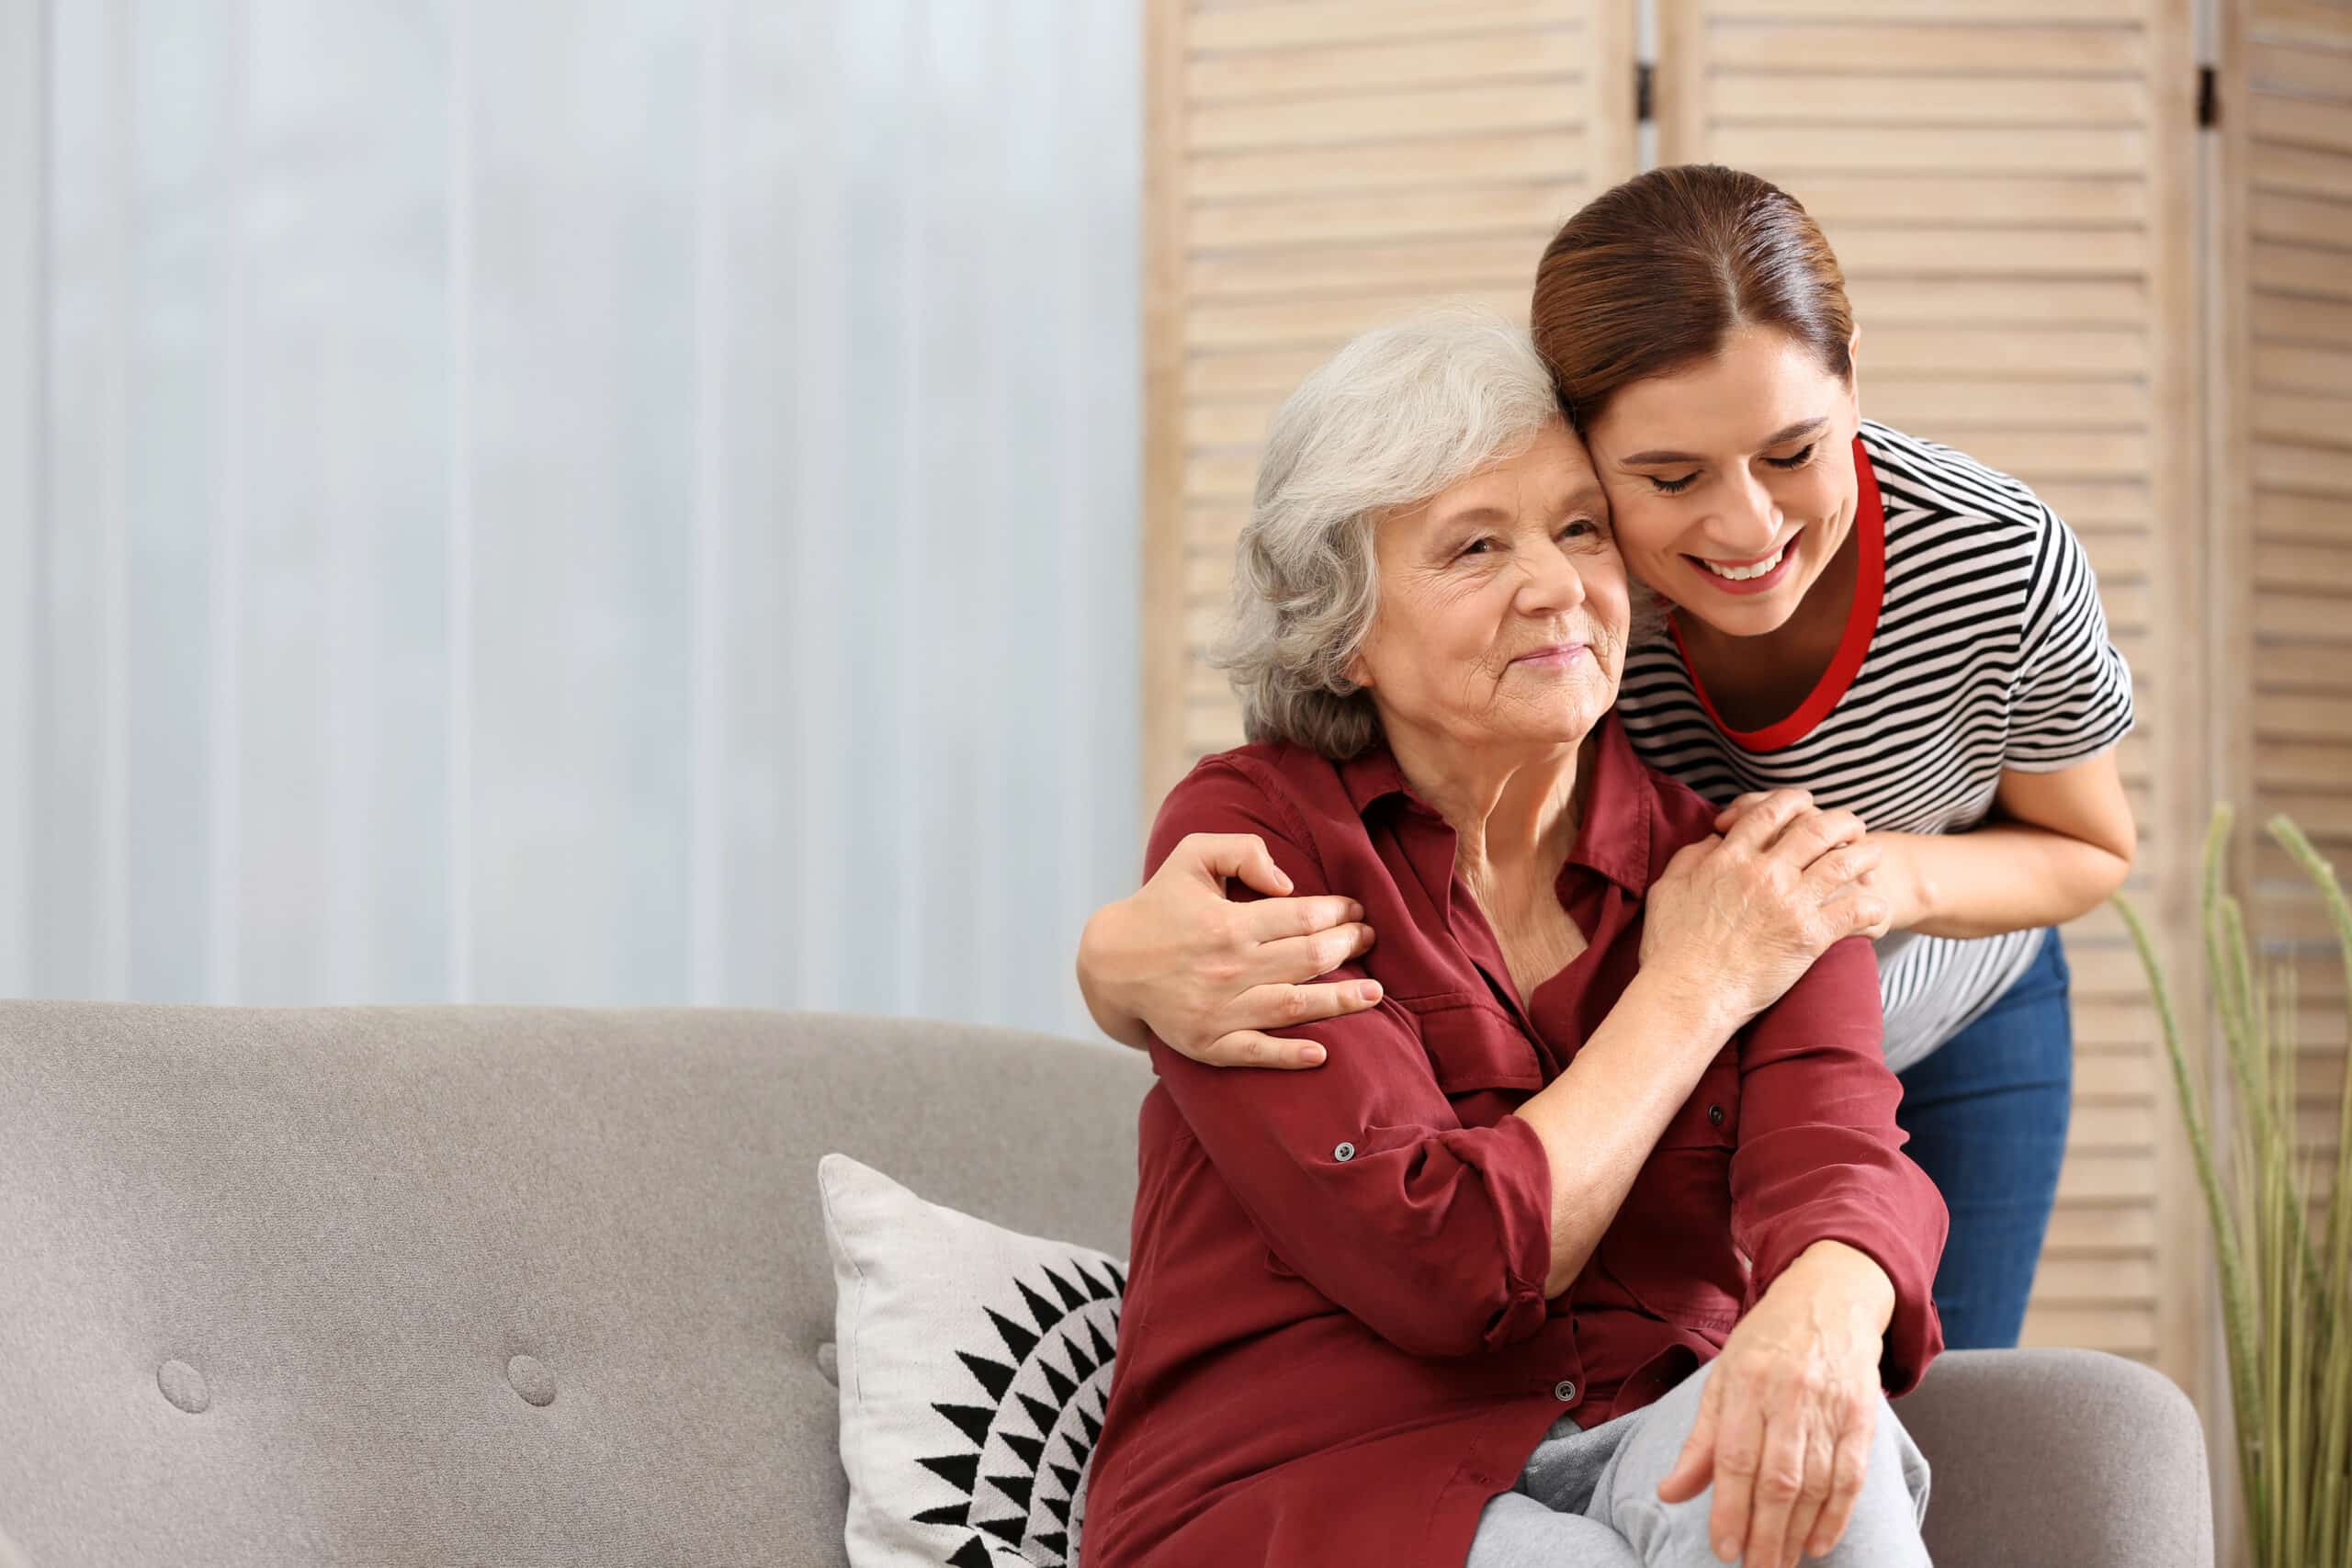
{"points": [[1675, 487], [1799, 461]]}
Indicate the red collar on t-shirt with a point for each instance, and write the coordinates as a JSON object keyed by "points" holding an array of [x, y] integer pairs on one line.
{"points": [[1869, 596]]}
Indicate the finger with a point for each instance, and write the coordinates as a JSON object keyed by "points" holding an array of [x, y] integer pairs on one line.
{"points": [[1820, 1458], [1739, 1455], [1271, 919], [1857, 911], [1278, 1007], [1298, 958], [1695, 1466], [1738, 809], [1780, 1480], [1249, 1048], [1812, 834], [1218, 856], [1686, 860], [1850, 1461], [1764, 820], [1841, 866]]}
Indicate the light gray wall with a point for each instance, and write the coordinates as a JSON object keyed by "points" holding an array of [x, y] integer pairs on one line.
{"points": [[539, 499]]}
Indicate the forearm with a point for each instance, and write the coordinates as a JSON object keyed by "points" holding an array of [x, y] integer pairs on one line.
{"points": [[1601, 1118], [2004, 876], [1111, 1015]]}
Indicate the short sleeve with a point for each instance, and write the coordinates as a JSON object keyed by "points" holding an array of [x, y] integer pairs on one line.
{"points": [[2072, 697]]}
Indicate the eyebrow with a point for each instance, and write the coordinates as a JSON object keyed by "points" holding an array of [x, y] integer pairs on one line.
{"points": [[1779, 438], [1590, 498]]}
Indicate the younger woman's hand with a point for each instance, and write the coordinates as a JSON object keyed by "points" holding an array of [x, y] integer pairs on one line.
{"points": [[1209, 975]]}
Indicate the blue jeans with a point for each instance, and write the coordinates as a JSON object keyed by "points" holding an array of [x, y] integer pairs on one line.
{"points": [[1987, 1114]]}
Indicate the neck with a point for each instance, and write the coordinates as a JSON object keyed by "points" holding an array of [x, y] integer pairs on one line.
{"points": [[1514, 811]]}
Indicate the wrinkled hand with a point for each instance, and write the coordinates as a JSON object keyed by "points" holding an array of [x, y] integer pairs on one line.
{"points": [[1785, 1421], [1896, 877], [1209, 975], [1744, 914]]}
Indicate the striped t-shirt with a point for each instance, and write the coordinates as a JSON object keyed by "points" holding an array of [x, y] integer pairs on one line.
{"points": [[1977, 644]]}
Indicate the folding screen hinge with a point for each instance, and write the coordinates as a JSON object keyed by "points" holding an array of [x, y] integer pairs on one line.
{"points": [[1645, 105], [2209, 98]]}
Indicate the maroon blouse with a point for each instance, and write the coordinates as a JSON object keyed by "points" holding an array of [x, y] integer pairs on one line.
{"points": [[1335, 1346]]}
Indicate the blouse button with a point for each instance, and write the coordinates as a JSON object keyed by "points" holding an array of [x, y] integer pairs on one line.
{"points": [[1565, 1391], [1715, 1115], [1345, 1153]]}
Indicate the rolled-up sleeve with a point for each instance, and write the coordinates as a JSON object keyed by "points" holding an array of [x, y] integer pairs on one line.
{"points": [[1357, 1173], [1820, 1156]]}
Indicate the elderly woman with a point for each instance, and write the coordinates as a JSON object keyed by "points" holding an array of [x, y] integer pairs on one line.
{"points": [[1592, 1242]]}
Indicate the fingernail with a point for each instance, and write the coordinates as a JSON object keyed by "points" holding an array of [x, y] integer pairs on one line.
{"points": [[1369, 991], [1355, 912], [1312, 1055]]}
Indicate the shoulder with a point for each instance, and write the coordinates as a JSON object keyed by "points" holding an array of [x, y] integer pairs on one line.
{"points": [[1272, 789], [1919, 475]]}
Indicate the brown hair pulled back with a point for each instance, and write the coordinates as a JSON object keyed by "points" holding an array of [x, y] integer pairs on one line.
{"points": [[1654, 276]]}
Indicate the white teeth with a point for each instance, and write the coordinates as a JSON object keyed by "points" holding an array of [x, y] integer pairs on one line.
{"points": [[1744, 573]]}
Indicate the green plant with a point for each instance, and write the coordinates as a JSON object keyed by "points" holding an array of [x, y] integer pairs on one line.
{"points": [[2285, 1292]]}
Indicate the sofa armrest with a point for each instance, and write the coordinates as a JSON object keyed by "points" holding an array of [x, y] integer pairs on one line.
{"points": [[2072, 1457]]}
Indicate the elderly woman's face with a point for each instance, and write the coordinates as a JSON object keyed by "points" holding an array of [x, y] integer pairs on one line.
{"points": [[1503, 603]]}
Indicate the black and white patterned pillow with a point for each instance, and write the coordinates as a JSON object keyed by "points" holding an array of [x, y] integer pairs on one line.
{"points": [[974, 1365]]}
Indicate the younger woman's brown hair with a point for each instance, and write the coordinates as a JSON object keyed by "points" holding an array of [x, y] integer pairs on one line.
{"points": [[1654, 276]]}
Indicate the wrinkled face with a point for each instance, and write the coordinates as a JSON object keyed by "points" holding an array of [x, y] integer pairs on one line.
{"points": [[1732, 484], [1503, 605]]}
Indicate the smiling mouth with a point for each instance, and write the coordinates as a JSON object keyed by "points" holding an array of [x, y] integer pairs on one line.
{"points": [[1747, 571]]}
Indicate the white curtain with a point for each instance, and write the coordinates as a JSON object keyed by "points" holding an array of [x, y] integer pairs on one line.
{"points": [[568, 501]]}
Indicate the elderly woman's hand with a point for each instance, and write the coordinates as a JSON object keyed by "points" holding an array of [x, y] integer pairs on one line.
{"points": [[1785, 1421], [1207, 975], [1743, 915]]}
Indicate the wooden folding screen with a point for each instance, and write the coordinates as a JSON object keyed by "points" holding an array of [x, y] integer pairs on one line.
{"points": [[2045, 276], [2281, 496], [2008, 184], [1313, 168]]}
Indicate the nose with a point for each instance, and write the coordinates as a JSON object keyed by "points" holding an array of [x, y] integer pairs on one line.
{"points": [[1747, 523], [1552, 584]]}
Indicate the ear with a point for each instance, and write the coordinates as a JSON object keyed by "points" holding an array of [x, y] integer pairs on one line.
{"points": [[1854, 374]]}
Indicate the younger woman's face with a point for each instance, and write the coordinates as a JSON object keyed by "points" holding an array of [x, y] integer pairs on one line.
{"points": [[1732, 484]]}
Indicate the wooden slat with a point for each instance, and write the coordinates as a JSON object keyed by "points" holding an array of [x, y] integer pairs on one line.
{"points": [[2001, 303], [1516, 54], [1970, 251], [2006, 202], [1422, 269], [1965, 150], [2302, 123], [2314, 172], [2296, 368], [1430, 213], [1875, 49], [1390, 115], [1255, 173], [1740, 97], [1980, 12], [1321, 23]]}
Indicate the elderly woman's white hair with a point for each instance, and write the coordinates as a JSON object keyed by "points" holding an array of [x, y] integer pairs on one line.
{"points": [[1399, 416]]}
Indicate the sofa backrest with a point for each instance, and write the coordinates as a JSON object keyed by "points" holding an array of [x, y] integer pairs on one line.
{"points": [[476, 1285]]}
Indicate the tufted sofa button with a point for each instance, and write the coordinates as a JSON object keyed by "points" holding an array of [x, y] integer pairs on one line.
{"points": [[183, 1387], [531, 1379]]}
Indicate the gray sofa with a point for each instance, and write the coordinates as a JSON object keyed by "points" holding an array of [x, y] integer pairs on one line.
{"points": [[393, 1286]]}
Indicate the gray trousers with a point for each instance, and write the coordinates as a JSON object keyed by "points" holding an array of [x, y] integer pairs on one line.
{"points": [[1588, 1499]]}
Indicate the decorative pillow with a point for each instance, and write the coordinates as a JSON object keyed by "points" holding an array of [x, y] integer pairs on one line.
{"points": [[974, 1365]]}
